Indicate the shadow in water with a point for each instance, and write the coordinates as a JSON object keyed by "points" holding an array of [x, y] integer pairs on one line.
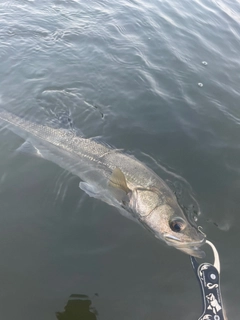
{"points": [[78, 307]]}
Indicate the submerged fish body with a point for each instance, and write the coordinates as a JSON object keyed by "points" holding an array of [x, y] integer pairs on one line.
{"points": [[114, 177]]}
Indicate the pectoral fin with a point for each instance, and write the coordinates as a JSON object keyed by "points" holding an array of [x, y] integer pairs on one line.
{"points": [[118, 187], [118, 180]]}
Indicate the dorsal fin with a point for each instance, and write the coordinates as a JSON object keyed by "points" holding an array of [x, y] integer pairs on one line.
{"points": [[118, 180]]}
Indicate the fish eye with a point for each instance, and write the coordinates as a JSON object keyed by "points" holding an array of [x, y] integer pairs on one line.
{"points": [[177, 225]]}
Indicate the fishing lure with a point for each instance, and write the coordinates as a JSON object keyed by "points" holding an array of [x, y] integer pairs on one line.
{"points": [[208, 276]]}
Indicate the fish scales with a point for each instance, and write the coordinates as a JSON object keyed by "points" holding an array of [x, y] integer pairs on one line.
{"points": [[87, 149]]}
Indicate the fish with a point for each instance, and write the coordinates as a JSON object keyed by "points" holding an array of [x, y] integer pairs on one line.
{"points": [[112, 176]]}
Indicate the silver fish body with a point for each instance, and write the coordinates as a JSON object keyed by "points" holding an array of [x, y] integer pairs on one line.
{"points": [[114, 177]]}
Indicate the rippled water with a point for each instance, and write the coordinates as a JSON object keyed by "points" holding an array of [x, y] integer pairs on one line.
{"points": [[127, 71]]}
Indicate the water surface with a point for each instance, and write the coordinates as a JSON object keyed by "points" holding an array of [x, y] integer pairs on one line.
{"points": [[127, 71]]}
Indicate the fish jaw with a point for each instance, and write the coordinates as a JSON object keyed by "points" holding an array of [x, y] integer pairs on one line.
{"points": [[190, 248], [193, 251]]}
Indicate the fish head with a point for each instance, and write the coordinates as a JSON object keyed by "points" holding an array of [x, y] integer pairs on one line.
{"points": [[163, 216]]}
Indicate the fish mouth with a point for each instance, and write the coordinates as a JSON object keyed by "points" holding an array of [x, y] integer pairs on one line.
{"points": [[191, 248]]}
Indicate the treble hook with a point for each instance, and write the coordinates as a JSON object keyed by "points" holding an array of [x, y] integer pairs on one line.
{"points": [[200, 229]]}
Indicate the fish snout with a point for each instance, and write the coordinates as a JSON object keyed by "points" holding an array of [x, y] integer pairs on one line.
{"points": [[189, 247]]}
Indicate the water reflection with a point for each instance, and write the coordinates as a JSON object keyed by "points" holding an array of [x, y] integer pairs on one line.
{"points": [[78, 307]]}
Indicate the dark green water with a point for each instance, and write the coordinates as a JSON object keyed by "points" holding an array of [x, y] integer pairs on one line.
{"points": [[127, 71]]}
